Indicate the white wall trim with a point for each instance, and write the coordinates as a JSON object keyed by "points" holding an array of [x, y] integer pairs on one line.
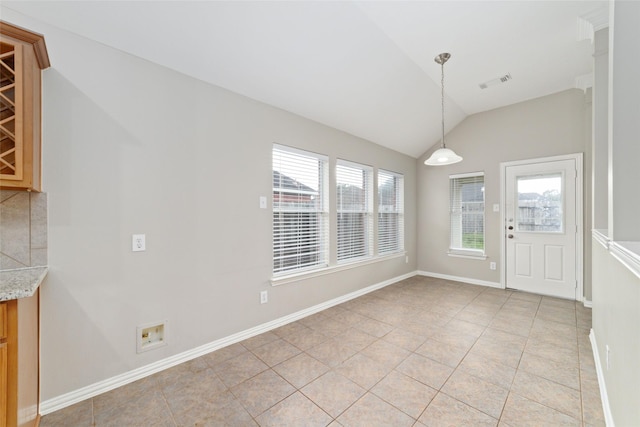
{"points": [[628, 253], [67, 399], [583, 82], [462, 279], [587, 303], [606, 408], [601, 237], [592, 21]]}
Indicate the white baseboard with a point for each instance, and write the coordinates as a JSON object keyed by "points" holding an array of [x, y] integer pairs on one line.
{"points": [[608, 417], [587, 303], [68, 399], [461, 279]]}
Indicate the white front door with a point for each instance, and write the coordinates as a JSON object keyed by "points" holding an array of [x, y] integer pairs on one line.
{"points": [[541, 227]]}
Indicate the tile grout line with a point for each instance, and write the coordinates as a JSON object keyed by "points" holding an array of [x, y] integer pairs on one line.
{"points": [[401, 303]]}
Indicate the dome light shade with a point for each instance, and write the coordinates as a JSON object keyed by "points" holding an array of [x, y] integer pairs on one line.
{"points": [[441, 157]]}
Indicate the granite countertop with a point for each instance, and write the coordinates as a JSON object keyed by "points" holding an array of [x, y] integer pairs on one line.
{"points": [[20, 282]]}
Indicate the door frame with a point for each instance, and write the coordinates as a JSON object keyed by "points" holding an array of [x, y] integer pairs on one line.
{"points": [[578, 157]]}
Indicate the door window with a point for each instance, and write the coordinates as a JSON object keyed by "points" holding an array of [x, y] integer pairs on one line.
{"points": [[539, 204]]}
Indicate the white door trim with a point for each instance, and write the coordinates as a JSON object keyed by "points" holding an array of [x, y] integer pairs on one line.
{"points": [[579, 216]]}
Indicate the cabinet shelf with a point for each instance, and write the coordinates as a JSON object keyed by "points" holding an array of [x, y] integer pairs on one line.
{"points": [[23, 56]]}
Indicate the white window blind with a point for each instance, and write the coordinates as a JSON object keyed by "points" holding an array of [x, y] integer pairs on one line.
{"points": [[354, 187], [466, 196], [300, 204], [390, 212]]}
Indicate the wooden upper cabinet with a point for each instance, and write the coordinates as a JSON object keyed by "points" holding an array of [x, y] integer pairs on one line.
{"points": [[23, 56]]}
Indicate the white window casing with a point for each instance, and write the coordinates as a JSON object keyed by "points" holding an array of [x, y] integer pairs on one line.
{"points": [[367, 229], [390, 212], [467, 220], [354, 211], [300, 211]]}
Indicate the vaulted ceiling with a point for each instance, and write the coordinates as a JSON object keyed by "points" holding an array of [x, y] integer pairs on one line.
{"points": [[362, 67]]}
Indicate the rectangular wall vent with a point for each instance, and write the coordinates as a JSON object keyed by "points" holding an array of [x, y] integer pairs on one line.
{"points": [[496, 81]]}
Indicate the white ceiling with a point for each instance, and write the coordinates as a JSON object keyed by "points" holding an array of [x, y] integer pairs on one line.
{"points": [[363, 67]]}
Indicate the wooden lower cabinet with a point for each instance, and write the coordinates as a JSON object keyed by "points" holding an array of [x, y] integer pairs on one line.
{"points": [[19, 364], [3, 364], [3, 384]]}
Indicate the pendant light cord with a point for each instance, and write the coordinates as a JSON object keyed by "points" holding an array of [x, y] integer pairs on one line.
{"points": [[442, 98], [443, 155]]}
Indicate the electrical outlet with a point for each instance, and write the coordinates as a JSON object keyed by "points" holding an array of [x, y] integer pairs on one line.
{"points": [[406, 259], [138, 243], [492, 265], [264, 297]]}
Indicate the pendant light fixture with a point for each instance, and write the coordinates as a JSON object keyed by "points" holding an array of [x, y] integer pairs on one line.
{"points": [[442, 156]]}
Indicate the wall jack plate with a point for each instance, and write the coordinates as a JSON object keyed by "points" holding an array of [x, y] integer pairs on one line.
{"points": [[138, 243], [151, 335]]}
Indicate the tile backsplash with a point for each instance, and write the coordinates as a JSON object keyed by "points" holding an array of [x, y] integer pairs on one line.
{"points": [[23, 229]]}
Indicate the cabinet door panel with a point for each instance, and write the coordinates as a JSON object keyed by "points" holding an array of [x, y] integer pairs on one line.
{"points": [[3, 321], [3, 384], [11, 111]]}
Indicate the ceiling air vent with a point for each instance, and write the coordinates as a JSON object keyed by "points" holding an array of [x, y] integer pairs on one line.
{"points": [[497, 81]]}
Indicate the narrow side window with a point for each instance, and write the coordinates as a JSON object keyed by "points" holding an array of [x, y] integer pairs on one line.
{"points": [[354, 211], [390, 212], [466, 198]]}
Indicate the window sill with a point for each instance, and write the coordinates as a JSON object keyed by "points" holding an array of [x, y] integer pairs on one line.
{"points": [[467, 255], [290, 278]]}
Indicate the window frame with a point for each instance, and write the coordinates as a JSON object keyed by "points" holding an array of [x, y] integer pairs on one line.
{"points": [[329, 184], [456, 215], [321, 233], [398, 211], [367, 212]]}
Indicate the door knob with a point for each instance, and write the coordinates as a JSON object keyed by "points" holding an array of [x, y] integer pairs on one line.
{"points": [[510, 236], [510, 227]]}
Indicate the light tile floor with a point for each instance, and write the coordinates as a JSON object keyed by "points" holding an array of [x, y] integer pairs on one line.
{"points": [[421, 352]]}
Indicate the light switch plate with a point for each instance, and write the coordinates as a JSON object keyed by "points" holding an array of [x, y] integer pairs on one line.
{"points": [[496, 207], [263, 202]]}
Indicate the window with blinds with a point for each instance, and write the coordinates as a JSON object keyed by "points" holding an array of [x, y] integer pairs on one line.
{"points": [[466, 196], [300, 205], [354, 209], [390, 212]]}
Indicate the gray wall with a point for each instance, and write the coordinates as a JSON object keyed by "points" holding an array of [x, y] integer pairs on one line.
{"points": [[131, 147], [616, 321], [623, 125], [548, 126], [616, 277]]}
